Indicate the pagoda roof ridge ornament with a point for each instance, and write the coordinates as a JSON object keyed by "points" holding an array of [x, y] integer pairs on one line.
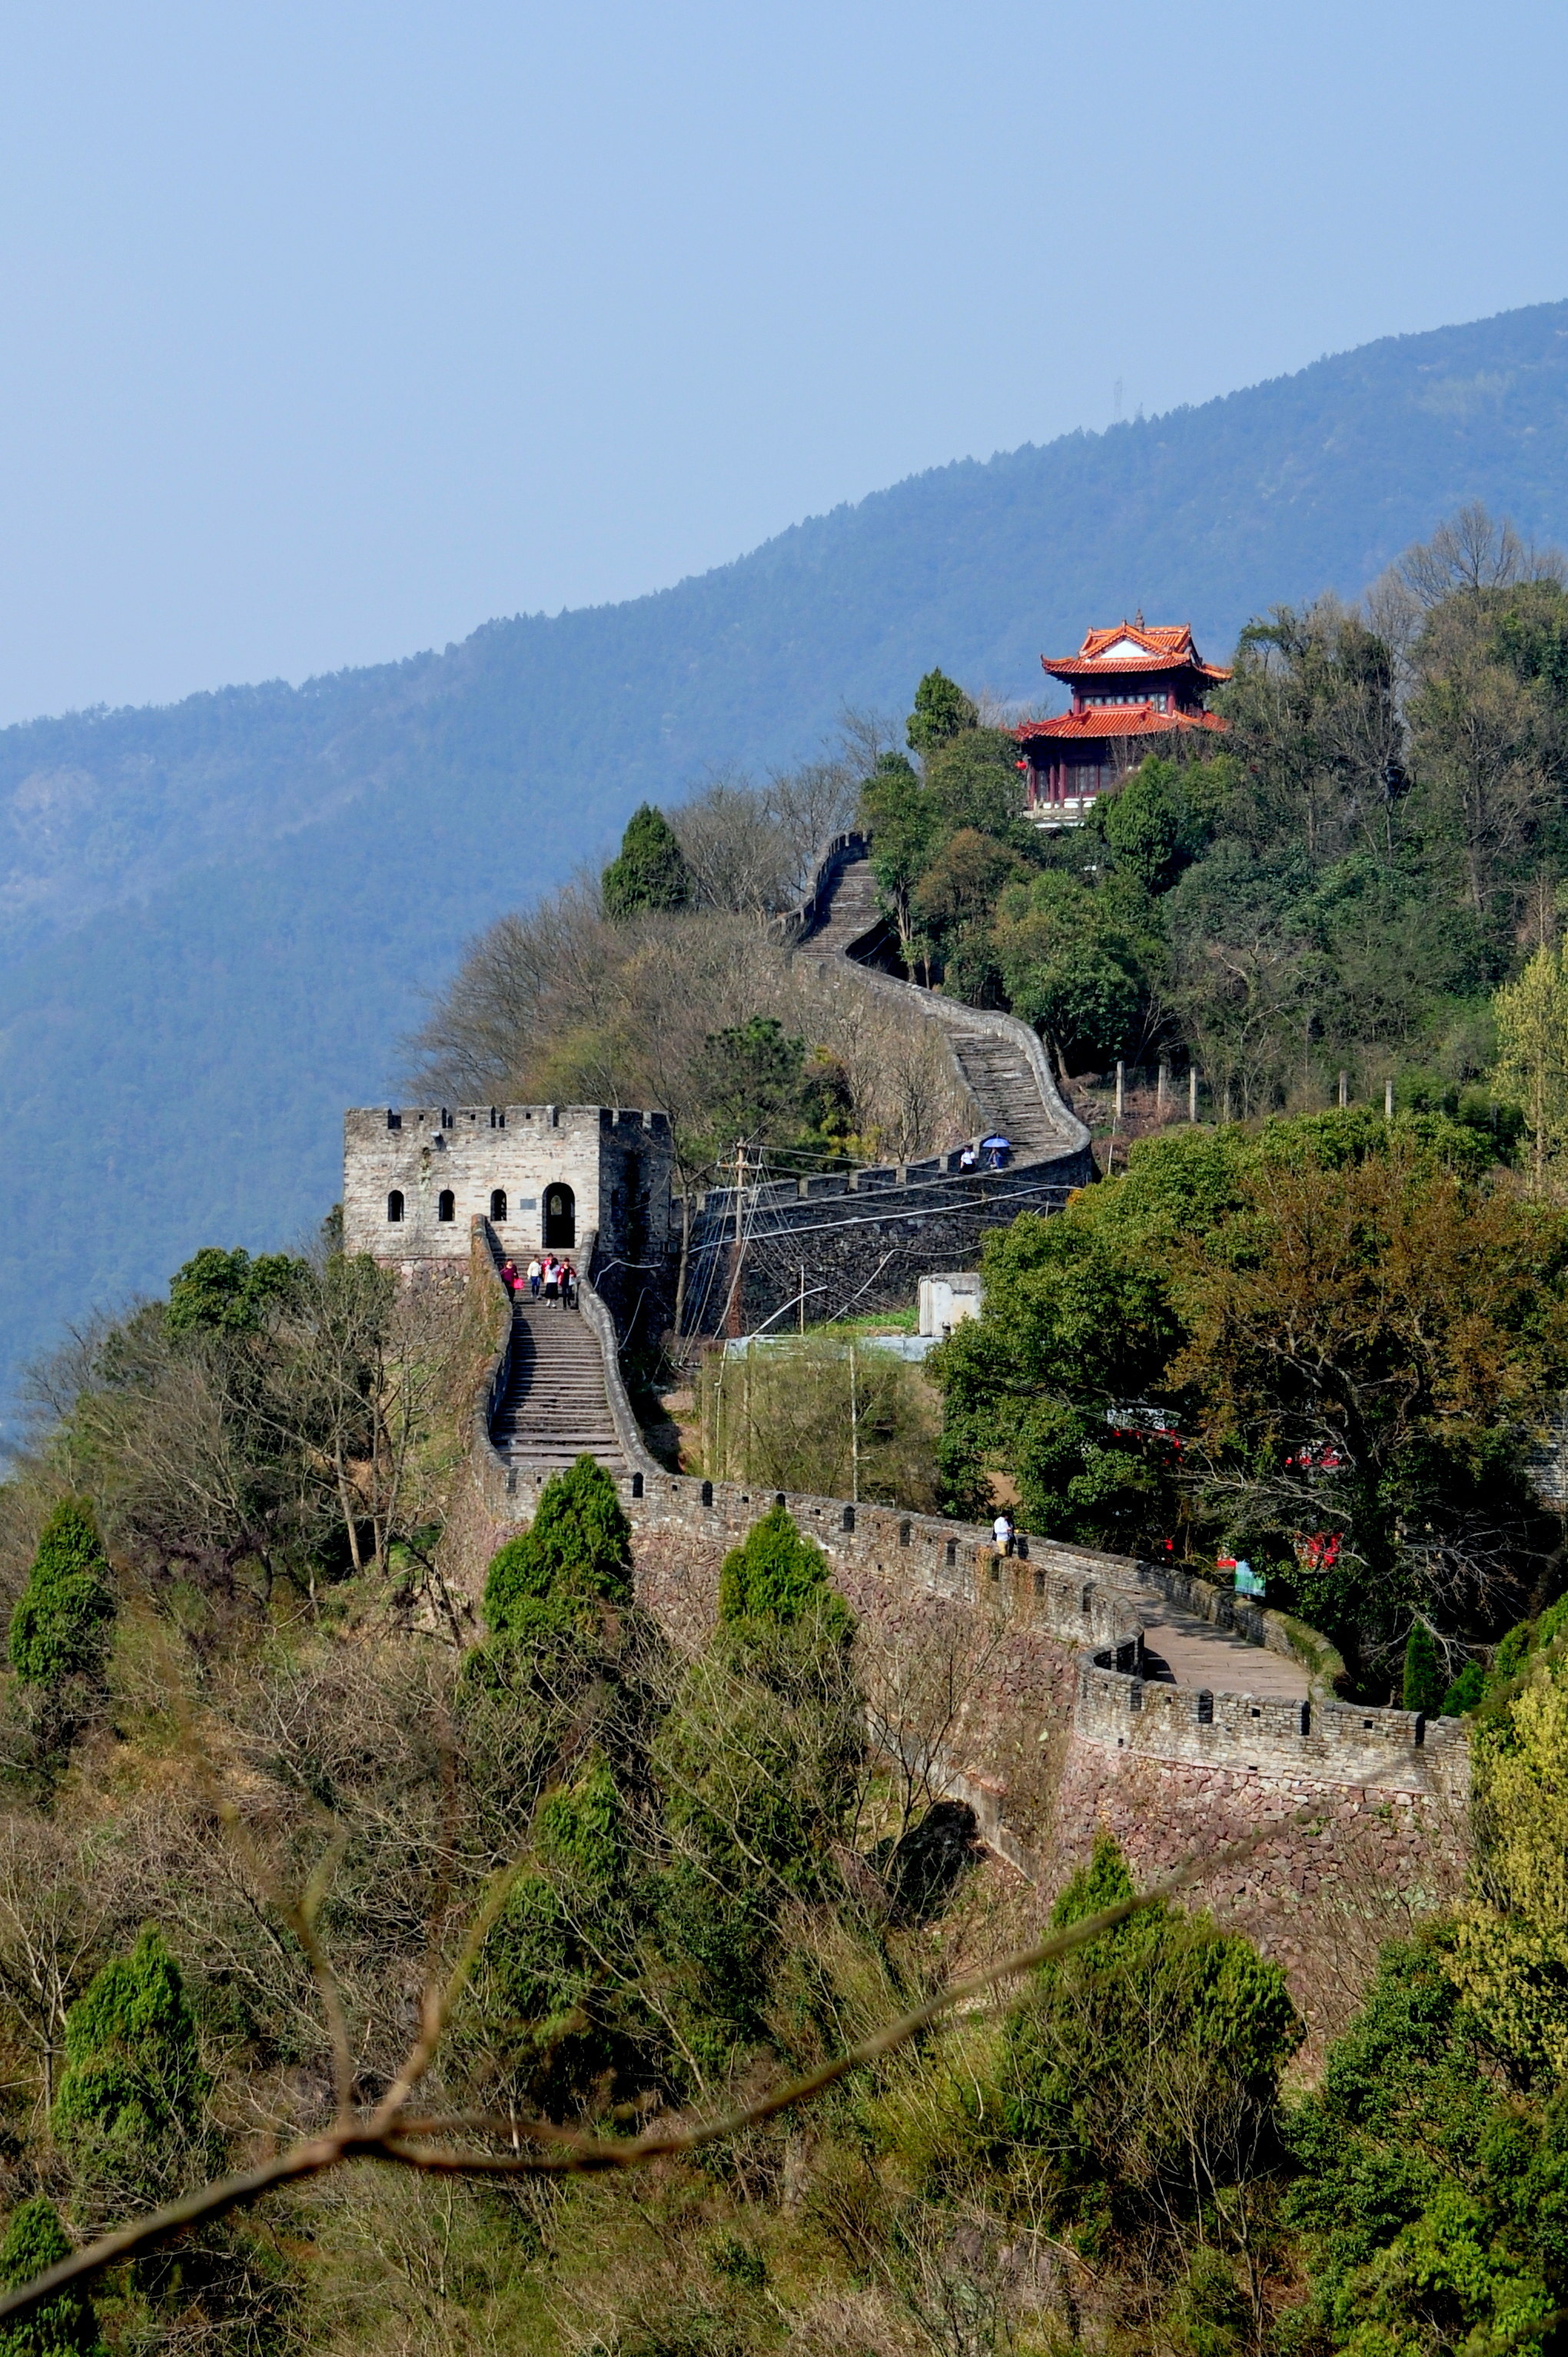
{"points": [[1137, 646]]}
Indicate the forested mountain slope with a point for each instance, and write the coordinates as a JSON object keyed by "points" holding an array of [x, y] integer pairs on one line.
{"points": [[219, 917]]}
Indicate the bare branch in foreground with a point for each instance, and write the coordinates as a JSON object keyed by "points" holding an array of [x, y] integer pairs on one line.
{"points": [[388, 2135]]}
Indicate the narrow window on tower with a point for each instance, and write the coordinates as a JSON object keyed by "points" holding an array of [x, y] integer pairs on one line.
{"points": [[394, 1206], [446, 1204]]}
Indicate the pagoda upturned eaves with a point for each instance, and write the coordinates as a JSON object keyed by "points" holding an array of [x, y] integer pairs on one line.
{"points": [[1130, 681]]}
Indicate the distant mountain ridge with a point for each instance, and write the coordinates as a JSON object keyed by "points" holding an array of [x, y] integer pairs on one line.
{"points": [[219, 915]]}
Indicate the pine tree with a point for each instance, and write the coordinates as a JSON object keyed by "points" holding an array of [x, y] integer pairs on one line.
{"points": [[652, 874], [62, 2327], [777, 1574], [60, 1624], [577, 1549], [942, 712], [133, 2091], [1423, 1681]]}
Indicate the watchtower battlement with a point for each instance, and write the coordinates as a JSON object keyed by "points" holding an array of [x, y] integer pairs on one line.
{"points": [[545, 1177]]}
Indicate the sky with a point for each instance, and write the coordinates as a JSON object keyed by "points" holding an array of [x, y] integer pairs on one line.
{"points": [[330, 331]]}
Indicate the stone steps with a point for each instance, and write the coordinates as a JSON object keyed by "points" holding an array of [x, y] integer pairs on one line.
{"points": [[555, 1407], [1004, 1082]]}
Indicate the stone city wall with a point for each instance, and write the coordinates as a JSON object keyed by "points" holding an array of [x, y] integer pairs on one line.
{"points": [[1356, 1816]]}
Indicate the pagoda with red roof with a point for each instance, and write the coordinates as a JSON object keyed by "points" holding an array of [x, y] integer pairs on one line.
{"points": [[1128, 683]]}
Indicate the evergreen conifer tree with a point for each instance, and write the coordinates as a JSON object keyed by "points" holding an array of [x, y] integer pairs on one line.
{"points": [[650, 874], [134, 2090], [942, 712], [62, 2327], [59, 1623], [1425, 1682], [779, 1576], [577, 1550]]}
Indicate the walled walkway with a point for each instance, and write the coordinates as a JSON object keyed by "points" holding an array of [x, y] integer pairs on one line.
{"points": [[1180, 1650], [1000, 1058], [553, 1407]]}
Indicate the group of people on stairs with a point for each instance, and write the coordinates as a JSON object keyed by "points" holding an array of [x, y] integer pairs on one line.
{"points": [[551, 1279]]}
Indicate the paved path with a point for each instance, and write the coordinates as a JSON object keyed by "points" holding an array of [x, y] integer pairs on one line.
{"points": [[991, 1051], [1181, 1650]]}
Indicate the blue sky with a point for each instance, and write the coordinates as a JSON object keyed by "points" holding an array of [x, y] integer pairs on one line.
{"points": [[328, 332]]}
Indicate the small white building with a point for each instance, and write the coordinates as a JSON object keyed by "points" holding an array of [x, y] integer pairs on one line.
{"points": [[946, 1300], [544, 1176]]}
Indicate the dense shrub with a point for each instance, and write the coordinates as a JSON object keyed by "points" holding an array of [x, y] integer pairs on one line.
{"points": [[60, 1622], [64, 2326], [576, 1551], [1434, 2209], [131, 2098], [1145, 2068]]}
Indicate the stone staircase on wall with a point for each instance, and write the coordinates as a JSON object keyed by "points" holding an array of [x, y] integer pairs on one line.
{"points": [[1000, 1060], [553, 1407]]}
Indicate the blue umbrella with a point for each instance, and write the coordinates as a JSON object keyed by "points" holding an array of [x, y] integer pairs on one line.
{"points": [[987, 1143]]}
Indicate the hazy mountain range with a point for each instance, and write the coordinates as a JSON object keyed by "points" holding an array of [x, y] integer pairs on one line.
{"points": [[220, 916]]}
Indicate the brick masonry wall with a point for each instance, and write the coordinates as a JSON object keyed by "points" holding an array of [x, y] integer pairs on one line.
{"points": [[616, 1164], [1357, 1817]]}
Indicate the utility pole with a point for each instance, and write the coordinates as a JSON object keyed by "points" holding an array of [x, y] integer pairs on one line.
{"points": [[1192, 1092], [802, 1321], [739, 1223], [1388, 1100], [853, 1429], [1162, 1087], [745, 1414], [1120, 1088], [1344, 1090]]}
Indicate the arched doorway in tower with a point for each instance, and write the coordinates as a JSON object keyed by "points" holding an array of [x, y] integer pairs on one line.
{"points": [[560, 1217]]}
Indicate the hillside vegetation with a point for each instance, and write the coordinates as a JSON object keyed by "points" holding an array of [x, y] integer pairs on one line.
{"points": [[220, 916]]}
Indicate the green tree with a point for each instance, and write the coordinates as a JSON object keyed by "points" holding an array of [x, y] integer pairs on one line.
{"points": [[906, 830], [942, 712], [576, 1551], [777, 1575], [229, 1293], [1145, 2068], [752, 1080], [556, 1978], [953, 904], [974, 781], [755, 1765], [130, 2110], [65, 2326], [1072, 967], [1154, 827], [1424, 1684], [1532, 1061], [1510, 1955], [1080, 1319], [1434, 2210], [650, 876], [60, 1623]]}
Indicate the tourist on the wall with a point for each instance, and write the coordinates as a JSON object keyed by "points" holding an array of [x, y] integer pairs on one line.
{"points": [[509, 1277], [1002, 1532], [568, 1286], [552, 1276], [534, 1273]]}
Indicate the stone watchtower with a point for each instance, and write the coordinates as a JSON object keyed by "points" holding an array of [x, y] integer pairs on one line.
{"points": [[570, 1178]]}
